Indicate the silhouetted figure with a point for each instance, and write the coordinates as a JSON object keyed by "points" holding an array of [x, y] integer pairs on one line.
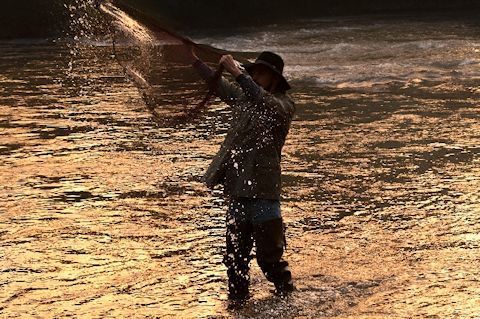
{"points": [[248, 165]]}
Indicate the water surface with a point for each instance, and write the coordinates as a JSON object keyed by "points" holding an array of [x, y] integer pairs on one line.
{"points": [[102, 214]]}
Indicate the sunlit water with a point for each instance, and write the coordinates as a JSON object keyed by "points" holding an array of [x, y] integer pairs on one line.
{"points": [[102, 214]]}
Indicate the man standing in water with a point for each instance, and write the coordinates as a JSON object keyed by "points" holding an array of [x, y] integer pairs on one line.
{"points": [[248, 166]]}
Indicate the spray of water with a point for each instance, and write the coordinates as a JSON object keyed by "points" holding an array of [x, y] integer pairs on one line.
{"points": [[157, 62]]}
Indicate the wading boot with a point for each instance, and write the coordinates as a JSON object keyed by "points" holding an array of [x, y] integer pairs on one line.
{"points": [[283, 289]]}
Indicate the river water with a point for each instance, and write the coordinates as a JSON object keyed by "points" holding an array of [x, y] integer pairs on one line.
{"points": [[102, 214]]}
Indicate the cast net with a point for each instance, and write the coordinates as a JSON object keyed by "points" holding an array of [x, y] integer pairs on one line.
{"points": [[158, 62]]}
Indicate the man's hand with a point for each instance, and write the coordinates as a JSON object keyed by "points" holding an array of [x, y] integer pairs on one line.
{"points": [[230, 65]]}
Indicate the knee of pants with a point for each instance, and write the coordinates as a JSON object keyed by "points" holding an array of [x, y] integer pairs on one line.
{"points": [[238, 249], [234, 260], [270, 241], [273, 255]]}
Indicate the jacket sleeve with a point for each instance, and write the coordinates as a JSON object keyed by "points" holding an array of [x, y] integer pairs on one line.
{"points": [[280, 105], [245, 87], [227, 91]]}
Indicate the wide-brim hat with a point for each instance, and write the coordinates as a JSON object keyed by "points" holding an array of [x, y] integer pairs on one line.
{"points": [[274, 62]]}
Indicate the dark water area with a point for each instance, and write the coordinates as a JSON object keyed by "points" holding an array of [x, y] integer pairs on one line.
{"points": [[52, 18], [102, 214]]}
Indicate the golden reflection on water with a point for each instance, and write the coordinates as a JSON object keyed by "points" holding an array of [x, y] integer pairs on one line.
{"points": [[103, 216]]}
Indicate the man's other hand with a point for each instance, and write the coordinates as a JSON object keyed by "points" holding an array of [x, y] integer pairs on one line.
{"points": [[230, 65]]}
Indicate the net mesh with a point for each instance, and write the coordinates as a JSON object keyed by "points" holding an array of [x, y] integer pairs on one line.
{"points": [[158, 62]]}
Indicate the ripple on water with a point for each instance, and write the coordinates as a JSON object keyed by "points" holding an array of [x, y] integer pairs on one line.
{"points": [[102, 213]]}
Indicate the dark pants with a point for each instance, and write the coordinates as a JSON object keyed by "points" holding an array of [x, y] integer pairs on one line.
{"points": [[254, 221]]}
